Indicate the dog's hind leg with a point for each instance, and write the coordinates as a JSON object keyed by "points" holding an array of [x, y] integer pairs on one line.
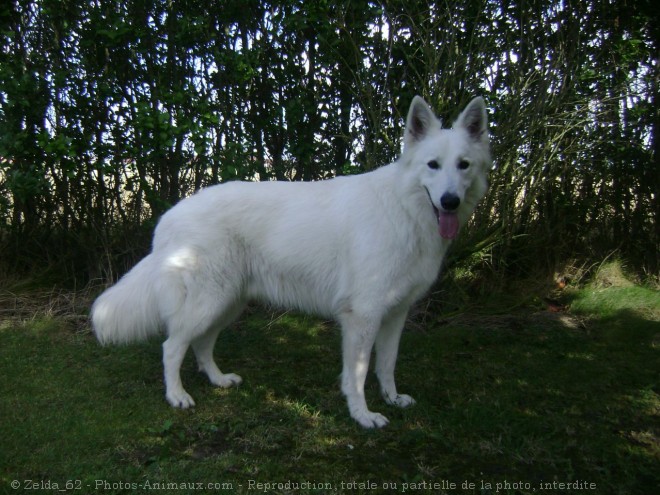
{"points": [[195, 321], [174, 350], [387, 347], [203, 348]]}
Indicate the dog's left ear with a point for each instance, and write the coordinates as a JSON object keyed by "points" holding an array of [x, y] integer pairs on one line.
{"points": [[419, 122], [474, 119]]}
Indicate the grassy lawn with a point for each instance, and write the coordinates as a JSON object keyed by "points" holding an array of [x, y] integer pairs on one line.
{"points": [[526, 402]]}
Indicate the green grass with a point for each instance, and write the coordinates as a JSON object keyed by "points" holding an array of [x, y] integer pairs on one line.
{"points": [[523, 398]]}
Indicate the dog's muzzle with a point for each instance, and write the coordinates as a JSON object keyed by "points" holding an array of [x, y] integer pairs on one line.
{"points": [[446, 215]]}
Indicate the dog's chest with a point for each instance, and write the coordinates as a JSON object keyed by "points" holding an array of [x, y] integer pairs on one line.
{"points": [[414, 278]]}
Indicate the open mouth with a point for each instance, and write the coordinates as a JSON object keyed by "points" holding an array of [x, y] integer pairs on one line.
{"points": [[447, 220]]}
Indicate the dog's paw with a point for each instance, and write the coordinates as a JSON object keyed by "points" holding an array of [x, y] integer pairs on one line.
{"points": [[400, 400], [368, 419], [180, 399], [228, 380]]}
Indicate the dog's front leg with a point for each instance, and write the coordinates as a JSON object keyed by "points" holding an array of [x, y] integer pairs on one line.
{"points": [[387, 348], [358, 335]]}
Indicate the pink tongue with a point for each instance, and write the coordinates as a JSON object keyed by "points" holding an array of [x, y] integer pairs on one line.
{"points": [[448, 225]]}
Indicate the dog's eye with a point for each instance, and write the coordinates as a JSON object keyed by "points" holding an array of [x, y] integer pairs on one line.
{"points": [[463, 165], [433, 164]]}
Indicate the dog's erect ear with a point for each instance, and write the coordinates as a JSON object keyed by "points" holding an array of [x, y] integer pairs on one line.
{"points": [[419, 122], [474, 119]]}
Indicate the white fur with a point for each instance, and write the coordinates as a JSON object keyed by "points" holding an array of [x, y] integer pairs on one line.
{"points": [[359, 249]]}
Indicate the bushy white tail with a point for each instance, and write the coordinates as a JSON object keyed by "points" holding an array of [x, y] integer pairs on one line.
{"points": [[128, 311]]}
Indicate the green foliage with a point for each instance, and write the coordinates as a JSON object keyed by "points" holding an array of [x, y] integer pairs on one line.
{"points": [[112, 112], [626, 311]]}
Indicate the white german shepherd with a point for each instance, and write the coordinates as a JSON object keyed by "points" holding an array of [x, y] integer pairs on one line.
{"points": [[359, 249]]}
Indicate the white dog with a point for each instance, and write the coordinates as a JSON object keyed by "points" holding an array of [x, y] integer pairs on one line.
{"points": [[359, 249]]}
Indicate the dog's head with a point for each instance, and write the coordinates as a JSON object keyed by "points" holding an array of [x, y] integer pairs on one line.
{"points": [[452, 165]]}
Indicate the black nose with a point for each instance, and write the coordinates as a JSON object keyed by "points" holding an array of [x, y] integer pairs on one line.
{"points": [[450, 201]]}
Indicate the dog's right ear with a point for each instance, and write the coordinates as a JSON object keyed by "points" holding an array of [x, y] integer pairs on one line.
{"points": [[420, 121]]}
